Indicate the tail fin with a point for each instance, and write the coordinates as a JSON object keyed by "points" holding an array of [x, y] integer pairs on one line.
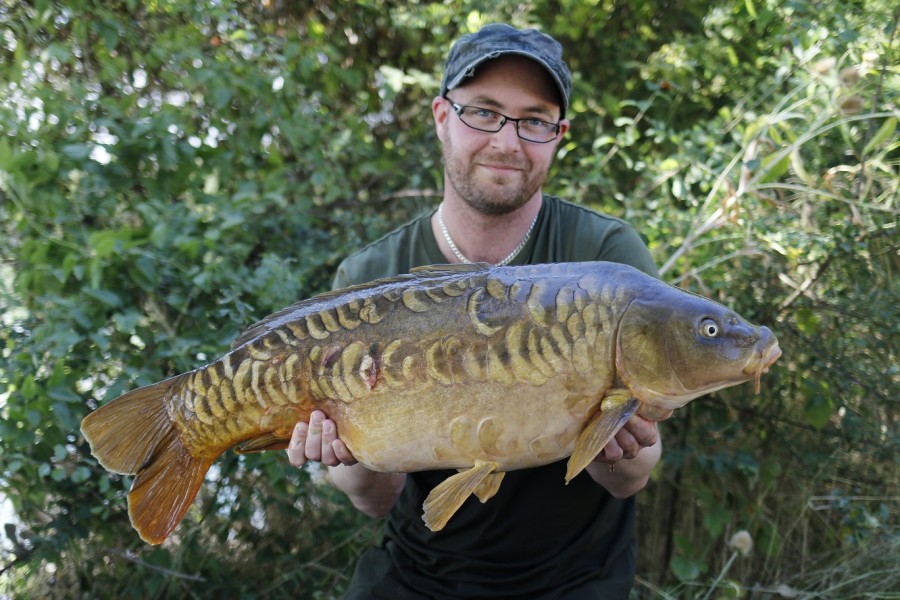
{"points": [[134, 435]]}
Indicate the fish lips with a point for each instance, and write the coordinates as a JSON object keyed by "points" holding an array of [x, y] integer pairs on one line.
{"points": [[760, 362]]}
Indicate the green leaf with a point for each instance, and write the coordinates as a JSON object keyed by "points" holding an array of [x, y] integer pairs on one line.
{"points": [[715, 519], [80, 475], [884, 132], [773, 167], [63, 394], [807, 321], [126, 321], [7, 159], [144, 273], [751, 10], [34, 417], [818, 410], [29, 388], [64, 415], [106, 243], [105, 296], [686, 569], [729, 589], [77, 151], [59, 453]]}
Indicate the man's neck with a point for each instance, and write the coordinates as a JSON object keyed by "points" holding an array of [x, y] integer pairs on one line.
{"points": [[480, 237]]}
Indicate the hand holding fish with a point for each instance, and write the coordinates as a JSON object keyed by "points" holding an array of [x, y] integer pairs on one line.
{"points": [[623, 467], [317, 441], [371, 492], [637, 433]]}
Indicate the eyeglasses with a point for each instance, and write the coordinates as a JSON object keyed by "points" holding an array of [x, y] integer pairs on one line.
{"points": [[490, 121]]}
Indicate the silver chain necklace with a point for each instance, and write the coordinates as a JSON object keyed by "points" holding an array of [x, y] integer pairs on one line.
{"points": [[462, 257]]}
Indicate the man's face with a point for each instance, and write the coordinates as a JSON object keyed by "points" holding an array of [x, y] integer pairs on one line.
{"points": [[496, 173]]}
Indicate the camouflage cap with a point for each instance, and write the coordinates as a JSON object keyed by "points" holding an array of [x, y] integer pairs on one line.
{"points": [[498, 39]]}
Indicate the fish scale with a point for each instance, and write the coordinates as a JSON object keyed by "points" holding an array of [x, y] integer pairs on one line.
{"points": [[470, 367]]}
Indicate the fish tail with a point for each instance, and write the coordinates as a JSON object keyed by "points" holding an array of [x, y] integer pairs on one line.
{"points": [[134, 435]]}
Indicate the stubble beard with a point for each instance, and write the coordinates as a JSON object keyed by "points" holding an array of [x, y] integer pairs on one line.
{"points": [[498, 197]]}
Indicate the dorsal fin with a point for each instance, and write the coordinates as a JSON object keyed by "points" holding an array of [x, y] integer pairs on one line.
{"points": [[416, 274], [441, 270]]}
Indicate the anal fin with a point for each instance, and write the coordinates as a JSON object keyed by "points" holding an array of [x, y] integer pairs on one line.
{"points": [[278, 425], [266, 441], [615, 409], [446, 498]]}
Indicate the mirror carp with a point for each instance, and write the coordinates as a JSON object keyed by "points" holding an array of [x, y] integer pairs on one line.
{"points": [[470, 367]]}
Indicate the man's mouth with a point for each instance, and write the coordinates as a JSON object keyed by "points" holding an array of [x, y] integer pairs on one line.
{"points": [[500, 168]]}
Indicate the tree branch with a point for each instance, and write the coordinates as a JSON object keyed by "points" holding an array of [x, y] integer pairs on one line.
{"points": [[129, 556]]}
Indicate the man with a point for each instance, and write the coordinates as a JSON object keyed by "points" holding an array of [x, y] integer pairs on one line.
{"points": [[499, 118]]}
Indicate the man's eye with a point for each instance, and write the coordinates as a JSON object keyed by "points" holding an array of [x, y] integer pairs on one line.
{"points": [[537, 124], [483, 113]]}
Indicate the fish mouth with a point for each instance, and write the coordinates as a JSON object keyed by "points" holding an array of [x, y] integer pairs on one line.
{"points": [[761, 366]]}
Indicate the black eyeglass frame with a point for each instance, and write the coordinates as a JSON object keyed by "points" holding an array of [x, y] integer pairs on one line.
{"points": [[458, 108]]}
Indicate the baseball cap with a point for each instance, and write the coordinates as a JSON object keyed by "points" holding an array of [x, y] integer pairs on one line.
{"points": [[498, 39]]}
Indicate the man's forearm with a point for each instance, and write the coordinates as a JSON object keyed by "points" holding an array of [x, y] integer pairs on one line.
{"points": [[371, 492]]}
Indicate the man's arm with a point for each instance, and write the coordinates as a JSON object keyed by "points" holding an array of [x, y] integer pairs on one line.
{"points": [[624, 466], [370, 492]]}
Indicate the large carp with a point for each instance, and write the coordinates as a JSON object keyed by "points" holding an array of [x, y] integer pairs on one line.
{"points": [[477, 368]]}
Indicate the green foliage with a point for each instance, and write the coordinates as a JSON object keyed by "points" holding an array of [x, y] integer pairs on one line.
{"points": [[171, 171]]}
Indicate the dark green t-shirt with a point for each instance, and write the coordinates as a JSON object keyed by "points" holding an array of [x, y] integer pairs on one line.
{"points": [[564, 232], [537, 538]]}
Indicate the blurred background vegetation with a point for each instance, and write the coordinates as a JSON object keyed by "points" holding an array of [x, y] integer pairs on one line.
{"points": [[172, 170]]}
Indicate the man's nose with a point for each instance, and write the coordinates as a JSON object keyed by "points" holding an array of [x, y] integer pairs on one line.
{"points": [[507, 137]]}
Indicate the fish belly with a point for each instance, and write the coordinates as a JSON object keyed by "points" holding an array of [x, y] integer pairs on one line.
{"points": [[455, 426]]}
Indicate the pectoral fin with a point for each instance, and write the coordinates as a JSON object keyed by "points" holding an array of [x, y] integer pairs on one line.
{"points": [[614, 411], [445, 499]]}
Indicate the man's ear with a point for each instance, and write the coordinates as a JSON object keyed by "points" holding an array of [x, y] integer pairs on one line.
{"points": [[440, 109]]}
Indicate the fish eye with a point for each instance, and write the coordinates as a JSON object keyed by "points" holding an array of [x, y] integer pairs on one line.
{"points": [[709, 328]]}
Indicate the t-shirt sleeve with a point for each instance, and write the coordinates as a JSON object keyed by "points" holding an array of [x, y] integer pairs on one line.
{"points": [[341, 277], [624, 245], [363, 267], [393, 254]]}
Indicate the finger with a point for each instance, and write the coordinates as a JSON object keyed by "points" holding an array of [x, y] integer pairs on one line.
{"points": [[627, 443], [296, 448], [612, 452], [645, 432], [313, 446], [327, 446], [665, 415], [343, 454]]}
